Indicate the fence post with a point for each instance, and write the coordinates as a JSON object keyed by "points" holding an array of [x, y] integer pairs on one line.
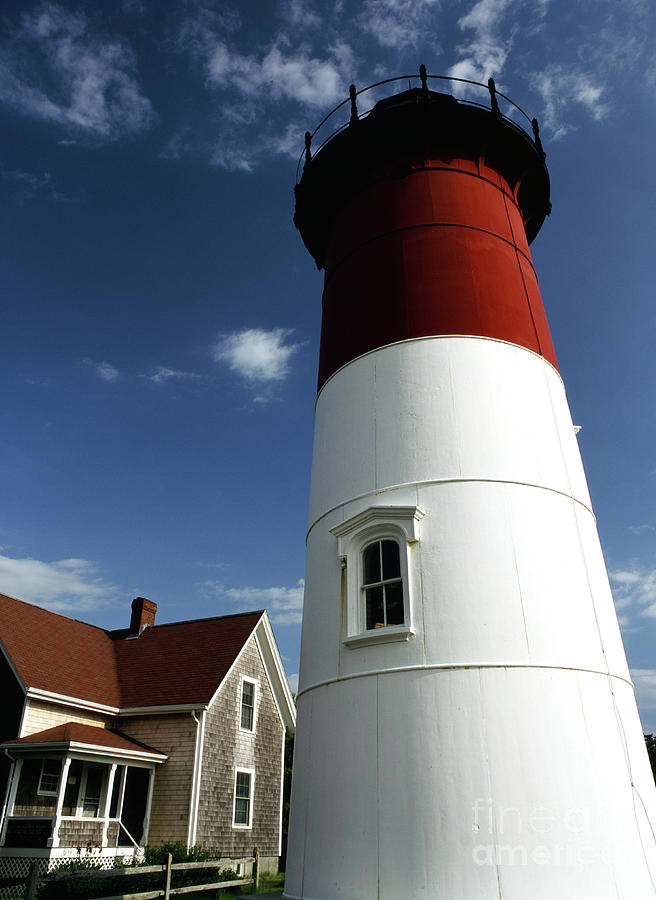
{"points": [[167, 877], [30, 887], [256, 868]]}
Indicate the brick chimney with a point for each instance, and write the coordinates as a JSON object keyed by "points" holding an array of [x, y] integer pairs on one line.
{"points": [[143, 613]]}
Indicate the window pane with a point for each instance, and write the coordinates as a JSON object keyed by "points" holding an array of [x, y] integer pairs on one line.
{"points": [[247, 705], [50, 772], [391, 560], [241, 812], [247, 718], [243, 788], [374, 603], [371, 561], [394, 603]]}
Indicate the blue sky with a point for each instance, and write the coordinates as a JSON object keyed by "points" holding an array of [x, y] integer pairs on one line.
{"points": [[161, 315]]}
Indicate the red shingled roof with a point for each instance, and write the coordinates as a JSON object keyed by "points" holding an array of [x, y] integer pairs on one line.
{"points": [[182, 662], [76, 733]]}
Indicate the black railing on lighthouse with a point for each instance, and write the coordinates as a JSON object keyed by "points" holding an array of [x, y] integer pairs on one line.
{"points": [[315, 140]]}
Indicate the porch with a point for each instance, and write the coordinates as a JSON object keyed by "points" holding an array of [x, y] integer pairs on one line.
{"points": [[78, 790]]}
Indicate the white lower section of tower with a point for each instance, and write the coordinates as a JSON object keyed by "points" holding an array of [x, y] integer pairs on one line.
{"points": [[489, 746]]}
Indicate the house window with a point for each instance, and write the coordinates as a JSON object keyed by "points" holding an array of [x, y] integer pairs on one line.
{"points": [[49, 779], [247, 706], [378, 555], [243, 808], [382, 585]]}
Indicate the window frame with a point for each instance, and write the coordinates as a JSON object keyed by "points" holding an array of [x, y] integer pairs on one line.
{"points": [[245, 679], [382, 583], [41, 792], [377, 523], [251, 774]]}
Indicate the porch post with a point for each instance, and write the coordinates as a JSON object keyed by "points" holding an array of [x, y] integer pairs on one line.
{"points": [[107, 805], [12, 787], [54, 840], [149, 800]]}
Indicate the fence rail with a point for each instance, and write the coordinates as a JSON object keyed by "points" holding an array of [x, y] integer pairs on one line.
{"points": [[165, 890]]}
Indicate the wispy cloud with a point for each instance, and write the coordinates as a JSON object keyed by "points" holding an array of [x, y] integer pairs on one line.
{"points": [[104, 370], [55, 68], [67, 585], [163, 375], [284, 604], [283, 78], [560, 87], [634, 587], [485, 54], [397, 24], [300, 14], [28, 185], [255, 354]]}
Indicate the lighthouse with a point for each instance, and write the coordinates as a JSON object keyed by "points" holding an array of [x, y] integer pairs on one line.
{"points": [[467, 727]]}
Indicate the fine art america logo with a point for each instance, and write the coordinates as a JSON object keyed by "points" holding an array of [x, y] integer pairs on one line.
{"points": [[541, 836]]}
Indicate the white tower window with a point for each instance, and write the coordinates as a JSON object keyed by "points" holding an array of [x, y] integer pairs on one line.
{"points": [[376, 550], [382, 585]]}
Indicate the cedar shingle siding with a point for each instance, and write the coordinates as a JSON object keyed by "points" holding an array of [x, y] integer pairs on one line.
{"points": [[174, 735], [226, 747]]}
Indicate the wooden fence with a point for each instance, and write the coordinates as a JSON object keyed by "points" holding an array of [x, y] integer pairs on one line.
{"points": [[165, 890]]}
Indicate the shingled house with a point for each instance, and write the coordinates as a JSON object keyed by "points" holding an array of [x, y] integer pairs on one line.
{"points": [[155, 733]]}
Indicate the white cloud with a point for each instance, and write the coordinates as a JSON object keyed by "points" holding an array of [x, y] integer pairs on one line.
{"points": [[559, 87], [300, 14], [256, 354], [162, 375], [56, 69], [281, 72], [397, 23], [283, 604], [107, 371], [104, 370], [634, 587], [486, 53], [68, 585], [293, 683]]}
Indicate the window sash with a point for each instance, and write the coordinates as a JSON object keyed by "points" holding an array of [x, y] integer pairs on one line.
{"points": [[49, 778], [247, 717], [243, 789], [382, 585]]}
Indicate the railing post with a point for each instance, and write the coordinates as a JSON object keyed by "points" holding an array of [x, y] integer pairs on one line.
{"points": [[256, 868], [536, 135], [424, 78], [167, 877], [354, 106], [493, 96], [308, 151], [30, 887]]}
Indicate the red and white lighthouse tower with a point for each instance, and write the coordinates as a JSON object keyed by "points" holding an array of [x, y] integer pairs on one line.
{"points": [[467, 728]]}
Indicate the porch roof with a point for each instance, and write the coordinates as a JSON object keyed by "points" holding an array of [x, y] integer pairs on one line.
{"points": [[71, 736]]}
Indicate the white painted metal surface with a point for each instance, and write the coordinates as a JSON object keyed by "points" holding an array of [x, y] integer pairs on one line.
{"points": [[496, 752]]}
